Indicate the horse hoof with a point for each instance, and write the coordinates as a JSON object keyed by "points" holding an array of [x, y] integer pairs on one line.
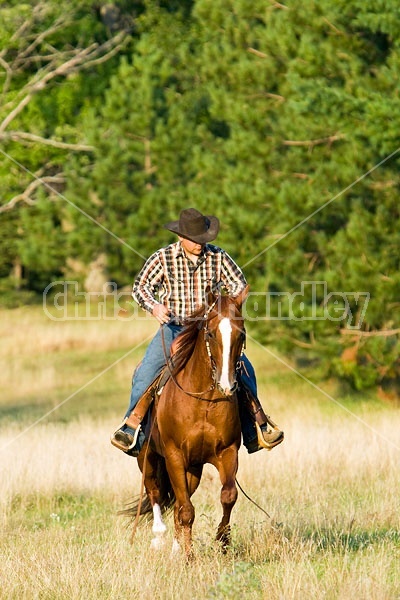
{"points": [[159, 528], [176, 549], [157, 543]]}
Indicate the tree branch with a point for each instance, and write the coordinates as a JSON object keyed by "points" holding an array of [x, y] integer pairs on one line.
{"points": [[294, 174], [276, 97], [311, 143], [332, 26], [8, 78], [26, 195], [279, 5], [84, 58], [38, 39], [257, 53], [11, 116], [381, 333], [30, 137], [306, 345]]}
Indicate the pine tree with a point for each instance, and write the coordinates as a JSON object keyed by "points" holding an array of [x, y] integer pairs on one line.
{"points": [[280, 118], [44, 49]]}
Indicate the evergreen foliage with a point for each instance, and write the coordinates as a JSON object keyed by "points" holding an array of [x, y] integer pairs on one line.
{"points": [[281, 118]]}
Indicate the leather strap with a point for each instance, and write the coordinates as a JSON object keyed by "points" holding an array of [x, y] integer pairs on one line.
{"points": [[254, 406], [141, 408]]}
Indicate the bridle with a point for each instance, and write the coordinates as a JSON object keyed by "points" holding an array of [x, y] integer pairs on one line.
{"points": [[207, 336]]}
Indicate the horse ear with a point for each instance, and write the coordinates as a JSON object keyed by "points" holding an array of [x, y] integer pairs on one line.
{"points": [[239, 300]]}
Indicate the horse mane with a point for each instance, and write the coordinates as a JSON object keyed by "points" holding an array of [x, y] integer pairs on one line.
{"points": [[185, 342]]}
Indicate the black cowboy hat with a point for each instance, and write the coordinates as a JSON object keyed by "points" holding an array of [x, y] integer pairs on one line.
{"points": [[194, 226]]}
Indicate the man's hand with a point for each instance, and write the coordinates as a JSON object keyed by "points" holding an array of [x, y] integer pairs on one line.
{"points": [[161, 313]]}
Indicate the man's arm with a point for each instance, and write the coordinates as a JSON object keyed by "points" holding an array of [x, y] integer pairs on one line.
{"points": [[146, 286], [232, 277]]}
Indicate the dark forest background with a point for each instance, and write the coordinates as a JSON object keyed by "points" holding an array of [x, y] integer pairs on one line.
{"points": [[282, 119]]}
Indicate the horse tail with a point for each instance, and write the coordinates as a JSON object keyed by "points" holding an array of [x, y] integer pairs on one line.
{"points": [[167, 496]]}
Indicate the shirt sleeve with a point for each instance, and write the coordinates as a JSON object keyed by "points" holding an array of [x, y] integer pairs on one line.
{"points": [[232, 277], [148, 283]]}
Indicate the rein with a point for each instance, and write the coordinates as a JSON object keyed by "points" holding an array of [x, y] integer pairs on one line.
{"points": [[178, 385]]}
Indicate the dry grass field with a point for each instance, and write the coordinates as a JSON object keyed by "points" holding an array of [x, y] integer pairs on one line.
{"points": [[331, 489]]}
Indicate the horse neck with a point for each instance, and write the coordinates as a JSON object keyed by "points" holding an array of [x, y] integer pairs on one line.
{"points": [[199, 367]]}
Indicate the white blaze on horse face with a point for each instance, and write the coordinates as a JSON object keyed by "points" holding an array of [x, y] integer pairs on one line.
{"points": [[226, 330]]}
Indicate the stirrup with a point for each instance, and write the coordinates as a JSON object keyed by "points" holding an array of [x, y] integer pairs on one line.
{"points": [[135, 437], [270, 422], [263, 443]]}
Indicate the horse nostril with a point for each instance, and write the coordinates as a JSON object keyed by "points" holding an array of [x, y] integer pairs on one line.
{"points": [[228, 391]]}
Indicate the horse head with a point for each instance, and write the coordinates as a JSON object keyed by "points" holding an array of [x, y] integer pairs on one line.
{"points": [[225, 337]]}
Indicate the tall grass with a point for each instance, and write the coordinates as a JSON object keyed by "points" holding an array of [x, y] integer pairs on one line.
{"points": [[331, 491], [47, 361]]}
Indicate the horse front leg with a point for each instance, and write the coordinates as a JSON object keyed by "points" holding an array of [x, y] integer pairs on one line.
{"points": [[184, 517], [227, 467], [184, 510]]}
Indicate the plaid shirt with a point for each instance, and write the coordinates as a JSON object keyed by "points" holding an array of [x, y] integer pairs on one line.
{"points": [[180, 284]]}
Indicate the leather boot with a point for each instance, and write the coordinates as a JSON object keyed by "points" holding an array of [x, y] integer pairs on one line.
{"points": [[268, 433], [125, 438]]}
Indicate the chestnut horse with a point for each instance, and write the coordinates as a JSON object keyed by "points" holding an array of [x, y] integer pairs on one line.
{"points": [[196, 420]]}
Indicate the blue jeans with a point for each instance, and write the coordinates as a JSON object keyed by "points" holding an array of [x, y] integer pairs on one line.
{"points": [[155, 359]]}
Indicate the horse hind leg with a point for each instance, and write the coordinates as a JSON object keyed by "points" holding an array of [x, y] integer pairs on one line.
{"points": [[150, 466], [159, 528]]}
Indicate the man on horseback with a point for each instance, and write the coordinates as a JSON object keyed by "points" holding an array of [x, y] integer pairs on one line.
{"points": [[171, 286]]}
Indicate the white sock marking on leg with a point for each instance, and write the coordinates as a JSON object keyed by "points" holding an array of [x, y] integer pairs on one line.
{"points": [[158, 524]]}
